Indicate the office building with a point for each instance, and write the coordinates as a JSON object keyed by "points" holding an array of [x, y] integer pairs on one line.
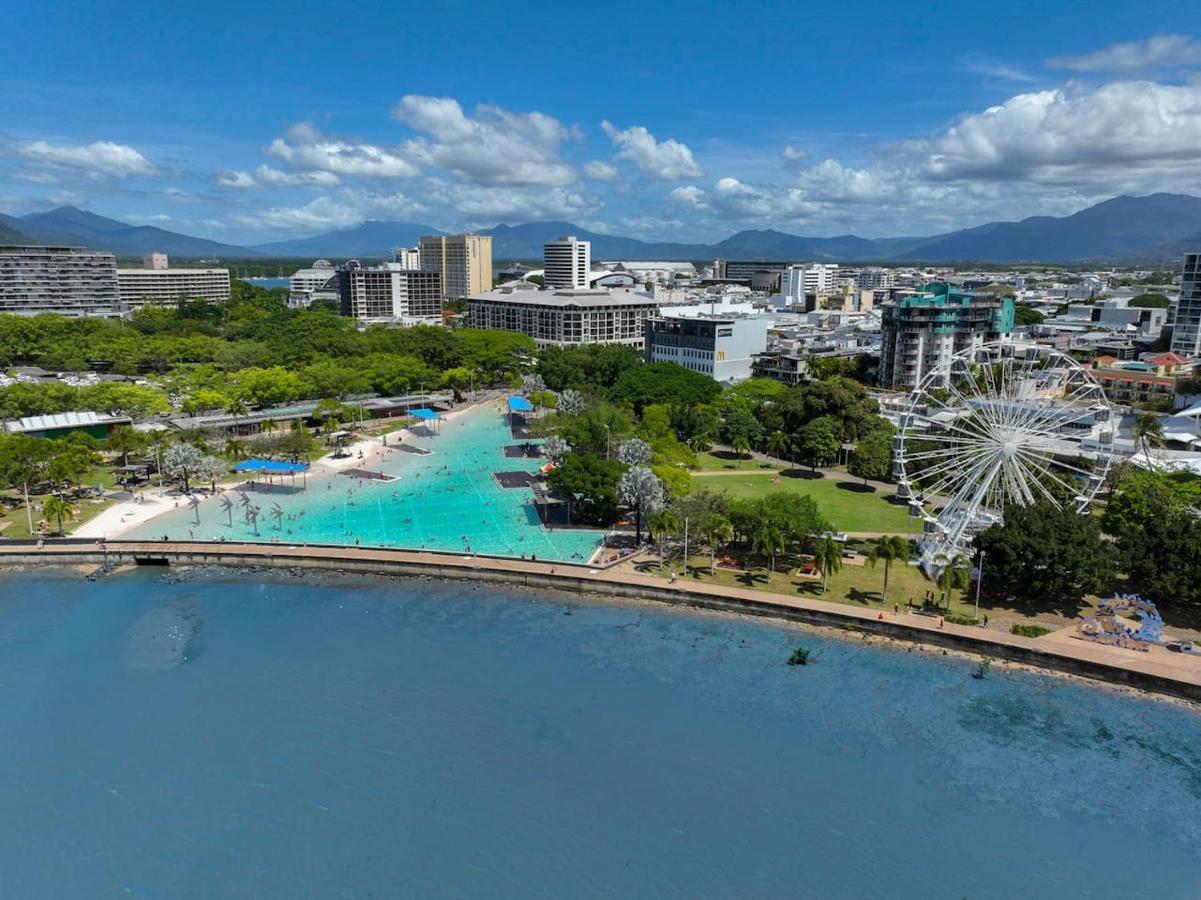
{"points": [[922, 330], [759, 274], [798, 281], [407, 257], [464, 262], [157, 284], [567, 263], [388, 294], [1186, 332], [875, 278], [565, 318], [722, 348], [70, 281]]}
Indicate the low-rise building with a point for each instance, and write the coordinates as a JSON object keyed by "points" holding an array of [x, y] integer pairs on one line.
{"points": [[720, 347], [565, 317], [158, 284], [93, 424]]}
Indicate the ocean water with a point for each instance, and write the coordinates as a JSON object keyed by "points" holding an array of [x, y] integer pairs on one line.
{"points": [[225, 735], [447, 501]]}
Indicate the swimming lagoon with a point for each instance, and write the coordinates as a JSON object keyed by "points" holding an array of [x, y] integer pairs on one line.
{"points": [[447, 500]]}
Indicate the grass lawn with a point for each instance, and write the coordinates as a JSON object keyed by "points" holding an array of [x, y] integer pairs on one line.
{"points": [[711, 462], [849, 506]]}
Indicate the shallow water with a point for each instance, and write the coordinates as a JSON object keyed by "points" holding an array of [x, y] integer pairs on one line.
{"points": [[224, 736], [447, 500]]}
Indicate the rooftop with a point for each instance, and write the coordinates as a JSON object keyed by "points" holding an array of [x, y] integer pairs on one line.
{"points": [[567, 298]]}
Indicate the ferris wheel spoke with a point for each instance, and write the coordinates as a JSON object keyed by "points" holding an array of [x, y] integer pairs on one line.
{"points": [[1046, 468]]}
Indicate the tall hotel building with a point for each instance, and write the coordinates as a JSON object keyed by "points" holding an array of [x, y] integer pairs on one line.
{"points": [[1186, 333], [389, 294], [157, 284], [464, 261], [567, 263], [69, 281]]}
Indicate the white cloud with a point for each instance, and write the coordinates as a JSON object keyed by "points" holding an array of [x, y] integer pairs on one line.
{"points": [[667, 160], [97, 158], [493, 147], [687, 197], [1161, 51], [794, 154], [305, 148], [600, 171], [341, 209], [266, 176], [830, 180], [730, 198], [513, 203], [997, 70], [147, 219]]}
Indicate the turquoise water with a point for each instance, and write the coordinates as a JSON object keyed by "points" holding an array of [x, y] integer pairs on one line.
{"points": [[301, 738], [447, 500]]}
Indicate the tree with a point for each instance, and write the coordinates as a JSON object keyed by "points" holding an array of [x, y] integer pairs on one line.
{"points": [[57, 508], [818, 443], [887, 549], [663, 522], [591, 481], [718, 531], [634, 452], [767, 540], [640, 490], [181, 463], [676, 480], [1150, 300], [827, 556], [1043, 555], [742, 447], [555, 448], [662, 382], [872, 459], [1027, 315], [571, 403], [1147, 430], [955, 573], [778, 444], [124, 439]]}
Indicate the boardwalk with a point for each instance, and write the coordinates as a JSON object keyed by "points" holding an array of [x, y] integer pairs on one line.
{"points": [[1158, 670]]}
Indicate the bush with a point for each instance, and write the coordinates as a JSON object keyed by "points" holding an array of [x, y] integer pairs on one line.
{"points": [[1031, 631], [961, 620], [800, 657]]}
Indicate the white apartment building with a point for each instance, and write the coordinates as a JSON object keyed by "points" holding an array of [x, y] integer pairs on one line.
{"points": [[875, 278], [565, 317], [407, 257], [70, 281], [567, 263], [797, 281], [388, 294], [157, 284], [318, 282], [463, 261], [722, 348]]}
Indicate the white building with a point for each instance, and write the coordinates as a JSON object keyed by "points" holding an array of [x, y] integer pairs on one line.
{"points": [[722, 348], [388, 294], [157, 284], [407, 257], [797, 281], [567, 263], [70, 281], [875, 278], [565, 317]]}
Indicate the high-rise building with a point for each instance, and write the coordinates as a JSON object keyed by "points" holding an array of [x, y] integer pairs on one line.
{"points": [[407, 257], [797, 281], [1186, 332], [389, 294], [875, 278], [567, 263], [70, 281], [464, 261], [157, 284], [922, 330]]}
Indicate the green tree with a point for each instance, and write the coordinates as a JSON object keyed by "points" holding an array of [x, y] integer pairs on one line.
{"points": [[1027, 315], [57, 508], [663, 522], [718, 531], [872, 459], [888, 549], [742, 447], [818, 443], [778, 443], [767, 540], [827, 556], [124, 440], [1147, 430], [1150, 300], [662, 382], [955, 573], [591, 481]]}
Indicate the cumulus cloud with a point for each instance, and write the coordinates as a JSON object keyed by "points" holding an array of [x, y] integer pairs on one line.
{"points": [[266, 176], [730, 198], [1161, 51], [667, 160], [97, 158], [996, 70], [687, 196], [492, 147], [307, 149], [600, 171], [512, 202], [344, 208], [794, 154]]}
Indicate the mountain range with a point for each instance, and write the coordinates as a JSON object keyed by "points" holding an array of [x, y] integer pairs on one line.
{"points": [[1122, 229]]}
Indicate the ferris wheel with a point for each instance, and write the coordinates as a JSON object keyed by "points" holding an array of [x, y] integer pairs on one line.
{"points": [[999, 424]]}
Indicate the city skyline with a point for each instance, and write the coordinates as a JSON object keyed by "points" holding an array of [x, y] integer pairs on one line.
{"points": [[659, 127]]}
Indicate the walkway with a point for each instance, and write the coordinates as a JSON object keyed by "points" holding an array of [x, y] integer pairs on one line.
{"points": [[1159, 670]]}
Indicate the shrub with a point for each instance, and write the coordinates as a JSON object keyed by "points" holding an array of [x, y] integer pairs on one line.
{"points": [[1031, 631], [961, 620], [800, 657]]}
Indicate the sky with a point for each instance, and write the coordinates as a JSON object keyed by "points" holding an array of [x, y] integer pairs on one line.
{"points": [[255, 121]]}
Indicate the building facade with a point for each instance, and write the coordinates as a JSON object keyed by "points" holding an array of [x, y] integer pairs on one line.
{"points": [[157, 284], [797, 281], [1186, 332], [722, 348], [922, 330], [389, 294], [567, 263], [566, 318], [407, 257], [70, 281], [463, 261], [875, 278]]}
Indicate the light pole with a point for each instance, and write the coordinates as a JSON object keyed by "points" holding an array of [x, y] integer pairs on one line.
{"points": [[685, 566], [979, 578]]}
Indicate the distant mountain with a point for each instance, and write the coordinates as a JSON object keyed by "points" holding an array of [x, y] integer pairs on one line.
{"points": [[68, 225], [10, 234], [371, 239], [1120, 228]]}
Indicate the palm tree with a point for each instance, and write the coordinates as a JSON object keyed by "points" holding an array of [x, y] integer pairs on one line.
{"points": [[1147, 430], [233, 449], [719, 530], [778, 444], [237, 408], [956, 574], [662, 523], [741, 446], [827, 556], [888, 548], [700, 443], [57, 507], [767, 541]]}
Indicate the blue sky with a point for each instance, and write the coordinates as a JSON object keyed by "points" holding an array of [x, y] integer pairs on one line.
{"points": [[254, 121]]}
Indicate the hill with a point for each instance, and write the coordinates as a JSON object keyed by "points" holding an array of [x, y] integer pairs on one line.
{"points": [[68, 225], [371, 239]]}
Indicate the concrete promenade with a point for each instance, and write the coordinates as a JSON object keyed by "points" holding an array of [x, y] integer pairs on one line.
{"points": [[1159, 671]]}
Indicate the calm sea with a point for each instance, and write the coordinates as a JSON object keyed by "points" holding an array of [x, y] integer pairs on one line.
{"points": [[226, 735]]}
